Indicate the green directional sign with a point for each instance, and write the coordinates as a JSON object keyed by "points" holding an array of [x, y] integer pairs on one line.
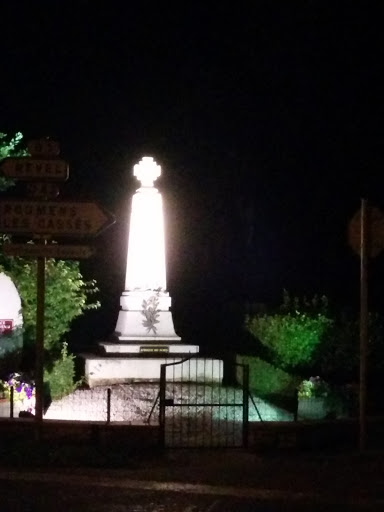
{"points": [[58, 218]]}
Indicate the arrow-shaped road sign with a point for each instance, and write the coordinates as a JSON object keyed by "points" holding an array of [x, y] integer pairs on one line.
{"points": [[58, 218]]}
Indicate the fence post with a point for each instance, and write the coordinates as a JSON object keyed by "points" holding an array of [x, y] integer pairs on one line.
{"points": [[163, 370], [11, 397], [245, 405], [109, 392], [295, 404]]}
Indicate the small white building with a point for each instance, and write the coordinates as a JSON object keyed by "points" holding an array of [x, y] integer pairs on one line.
{"points": [[11, 319]]}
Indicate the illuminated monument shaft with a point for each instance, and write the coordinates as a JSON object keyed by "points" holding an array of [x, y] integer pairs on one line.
{"points": [[146, 250], [145, 303]]}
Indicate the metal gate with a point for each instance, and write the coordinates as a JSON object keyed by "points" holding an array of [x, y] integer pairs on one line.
{"points": [[197, 410]]}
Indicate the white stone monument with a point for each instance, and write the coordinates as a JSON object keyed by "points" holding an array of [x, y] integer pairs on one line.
{"points": [[145, 337], [145, 323], [11, 321]]}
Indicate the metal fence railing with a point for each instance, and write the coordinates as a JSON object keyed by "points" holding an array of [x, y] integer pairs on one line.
{"points": [[9, 407], [138, 404]]}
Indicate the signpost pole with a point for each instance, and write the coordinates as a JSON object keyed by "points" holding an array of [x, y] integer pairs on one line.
{"points": [[39, 363], [363, 324], [43, 217]]}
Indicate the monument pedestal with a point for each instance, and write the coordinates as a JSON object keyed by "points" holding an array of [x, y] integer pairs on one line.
{"points": [[145, 326], [145, 315], [106, 371], [145, 339]]}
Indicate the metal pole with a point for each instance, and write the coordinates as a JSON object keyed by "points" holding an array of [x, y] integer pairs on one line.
{"points": [[39, 365], [245, 406], [363, 323], [163, 379], [109, 391], [11, 402]]}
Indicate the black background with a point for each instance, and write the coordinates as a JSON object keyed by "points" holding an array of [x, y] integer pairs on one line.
{"points": [[267, 121]]}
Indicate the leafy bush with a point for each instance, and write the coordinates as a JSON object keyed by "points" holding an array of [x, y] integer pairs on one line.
{"points": [[10, 146], [291, 338], [66, 296], [60, 379], [265, 379], [11, 346], [292, 335]]}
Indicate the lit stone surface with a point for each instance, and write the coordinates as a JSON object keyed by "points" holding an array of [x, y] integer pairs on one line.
{"points": [[114, 370], [11, 322], [10, 303]]}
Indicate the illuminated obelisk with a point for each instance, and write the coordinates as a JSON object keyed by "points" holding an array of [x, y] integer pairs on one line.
{"points": [[145, 323]]}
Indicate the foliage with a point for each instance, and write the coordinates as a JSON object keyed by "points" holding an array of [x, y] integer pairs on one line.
{"points": [[265, 379], [11, 346], [9, 146], [60, 378], [11, 341], [338, 356], [66, 296], [376, 343], [314, 305], [314, 387], [292, 335]]}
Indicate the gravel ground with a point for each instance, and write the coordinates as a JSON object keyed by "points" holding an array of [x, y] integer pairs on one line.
{"points": [[133, 403]]}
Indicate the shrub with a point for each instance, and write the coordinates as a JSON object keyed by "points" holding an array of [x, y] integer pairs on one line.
{"points": [[67, 296], [292, 335], [60, 379], [11, 346], [291, 338], [265, 379]]}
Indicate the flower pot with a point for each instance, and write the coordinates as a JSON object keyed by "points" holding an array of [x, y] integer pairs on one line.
{"points": [[314, 408]]}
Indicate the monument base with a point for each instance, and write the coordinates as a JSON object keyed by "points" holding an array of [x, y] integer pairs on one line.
{"points": [[105, 371], [148, 347]]}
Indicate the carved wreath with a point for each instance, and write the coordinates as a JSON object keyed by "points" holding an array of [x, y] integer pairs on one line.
{"points": [[150, 313]]}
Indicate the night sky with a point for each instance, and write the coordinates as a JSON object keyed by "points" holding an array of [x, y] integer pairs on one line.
{"points": [[267, 121]]}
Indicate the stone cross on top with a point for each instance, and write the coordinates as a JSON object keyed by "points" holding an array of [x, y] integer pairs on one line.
{"points": [[147, 171]]}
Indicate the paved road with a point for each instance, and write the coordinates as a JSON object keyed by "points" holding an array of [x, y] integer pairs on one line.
{"points": [[39, 492]]}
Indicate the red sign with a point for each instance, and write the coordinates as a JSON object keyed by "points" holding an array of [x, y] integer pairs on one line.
{"points": [[6, 326], [375, 231], [61, 218]]}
